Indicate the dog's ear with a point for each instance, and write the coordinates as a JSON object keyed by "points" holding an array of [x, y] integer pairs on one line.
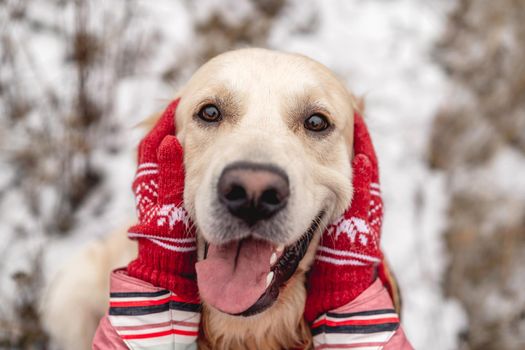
{"points": [[358, 103], [358, 106], [149, 122]]}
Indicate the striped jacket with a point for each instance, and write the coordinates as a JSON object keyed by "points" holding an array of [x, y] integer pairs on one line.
{"points": [[142, 316]]}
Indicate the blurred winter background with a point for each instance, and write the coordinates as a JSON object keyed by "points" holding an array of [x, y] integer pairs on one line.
{"points": [[444, 83]]}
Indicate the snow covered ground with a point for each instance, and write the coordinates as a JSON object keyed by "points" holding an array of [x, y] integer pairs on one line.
{"points": [[381, 48]]}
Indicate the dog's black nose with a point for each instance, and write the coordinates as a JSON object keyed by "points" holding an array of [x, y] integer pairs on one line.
{"points": [[253, 192]]}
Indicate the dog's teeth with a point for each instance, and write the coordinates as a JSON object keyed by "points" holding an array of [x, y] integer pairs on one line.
{"points": [[273, 258], [280, 248], [269, 279]]}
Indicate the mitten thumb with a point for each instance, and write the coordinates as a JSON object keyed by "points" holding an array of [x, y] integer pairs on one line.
{"points": [[171, 171], [361, 179]]}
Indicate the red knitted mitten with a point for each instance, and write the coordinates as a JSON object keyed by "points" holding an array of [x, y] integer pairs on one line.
{"points": [[349, 250], [166, 237]]}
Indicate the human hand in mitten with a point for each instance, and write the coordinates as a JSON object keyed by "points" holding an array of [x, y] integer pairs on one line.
{"points": [[165, 235], [349, 249]]}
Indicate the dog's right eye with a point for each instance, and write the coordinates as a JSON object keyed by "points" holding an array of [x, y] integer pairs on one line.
{"points": [[316, 122], [210, 113]]}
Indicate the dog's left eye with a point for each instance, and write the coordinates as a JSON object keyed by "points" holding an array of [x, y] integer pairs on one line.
{"points": [[209, 113], [316, 122]]}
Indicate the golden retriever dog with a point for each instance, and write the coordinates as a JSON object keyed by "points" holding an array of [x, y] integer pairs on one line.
{"points": [[255, 116]]}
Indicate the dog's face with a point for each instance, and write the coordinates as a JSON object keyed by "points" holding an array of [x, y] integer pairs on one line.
{"points": [[267, 141]]}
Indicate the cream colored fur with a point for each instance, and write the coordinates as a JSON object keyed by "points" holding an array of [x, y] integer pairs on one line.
{"points": [[266, 92], [78, 297]]}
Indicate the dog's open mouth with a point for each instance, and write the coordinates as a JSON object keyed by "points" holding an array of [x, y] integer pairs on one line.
{"points": [[244, 277]]}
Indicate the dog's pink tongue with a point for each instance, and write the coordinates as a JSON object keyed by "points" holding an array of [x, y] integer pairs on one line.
{"points": [[232, 278]]}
